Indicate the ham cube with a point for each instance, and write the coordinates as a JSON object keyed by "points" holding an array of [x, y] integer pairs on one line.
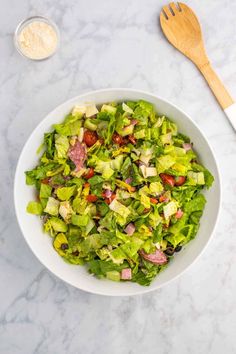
{"points": [[126, 274]]}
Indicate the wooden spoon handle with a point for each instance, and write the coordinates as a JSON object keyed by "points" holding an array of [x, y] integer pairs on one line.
{"points": [[216, 85], [220, 92]]}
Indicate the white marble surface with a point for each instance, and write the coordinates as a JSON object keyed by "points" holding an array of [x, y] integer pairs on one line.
{"points": [[111, 43]]}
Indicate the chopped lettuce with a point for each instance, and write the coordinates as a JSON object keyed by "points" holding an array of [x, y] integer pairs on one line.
{"points": [[113, 275], [45, 191], [57, 224], [196, 204], [52, 206], [68, 129], [80, 220], [164, 162], [62, 146], [119, 208], [108, 108], [145, 201], [65, 193], [196, 178], [34, 208], [104, 167], [127, 109], [156, 188], [133, 189]]}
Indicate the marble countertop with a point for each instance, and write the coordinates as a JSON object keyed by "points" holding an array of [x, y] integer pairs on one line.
{"points": [[114, 43]]}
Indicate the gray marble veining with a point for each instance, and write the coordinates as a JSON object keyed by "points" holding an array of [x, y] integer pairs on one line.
{"points": [[110, 43]]}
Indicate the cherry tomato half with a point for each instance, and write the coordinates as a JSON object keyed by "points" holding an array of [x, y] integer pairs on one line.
{"points": [[90, 137], [163, 198], [91, 198], [89, 174], [167, 179], [109, 200], [117, 139], [179, 180]]}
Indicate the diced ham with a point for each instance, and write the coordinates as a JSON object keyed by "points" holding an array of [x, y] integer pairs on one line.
{"points": [[179, 214], [156, 258], [130, 228], [134, 121], [77, 154], [108, 193], [128, 180], [187, 146], [126, 274]]}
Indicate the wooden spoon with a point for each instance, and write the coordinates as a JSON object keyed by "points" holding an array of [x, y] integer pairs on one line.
{"points": [[183, 31]]}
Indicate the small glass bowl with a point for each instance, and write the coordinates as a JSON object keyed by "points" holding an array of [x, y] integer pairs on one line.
{"points": [[26, 22]]}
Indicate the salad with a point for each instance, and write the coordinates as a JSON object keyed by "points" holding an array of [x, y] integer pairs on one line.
{"points": [[119, 190]]}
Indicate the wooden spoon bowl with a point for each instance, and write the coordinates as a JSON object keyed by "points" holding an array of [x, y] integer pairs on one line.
{"points": [[182, 29]]}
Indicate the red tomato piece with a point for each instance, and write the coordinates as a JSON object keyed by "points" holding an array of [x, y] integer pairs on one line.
{"points": [[167, 179], [91, 198], [90, 137], [109, 200], [179, 180], [117, 139], [163, 198], [89, 174], [113, 196], [153, 200], [179, 214]]}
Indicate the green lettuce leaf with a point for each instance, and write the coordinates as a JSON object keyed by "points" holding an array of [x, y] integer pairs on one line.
{"points": [[57, 224], [80, 220], [196, 204], [45, 191], [68, 129], [130, 248], [40, 172], [52, 206], [62, 146], [49, 144], [145, 276], [34, 208], [65, 193], [101, 268]]}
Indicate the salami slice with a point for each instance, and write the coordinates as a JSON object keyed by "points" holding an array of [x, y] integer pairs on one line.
{"points": [[156, 258], [77, 154]]}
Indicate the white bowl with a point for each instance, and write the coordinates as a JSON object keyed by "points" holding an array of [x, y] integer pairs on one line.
{"points": [[41, 244]]}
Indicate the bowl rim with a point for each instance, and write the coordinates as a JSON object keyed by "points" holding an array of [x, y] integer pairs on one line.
{"points": [[154, 96]]}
